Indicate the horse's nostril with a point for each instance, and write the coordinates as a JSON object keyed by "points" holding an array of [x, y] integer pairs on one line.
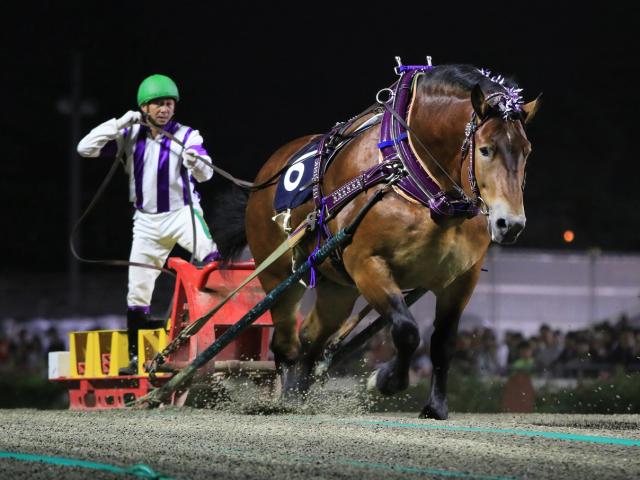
{"points": [[501, 223]]}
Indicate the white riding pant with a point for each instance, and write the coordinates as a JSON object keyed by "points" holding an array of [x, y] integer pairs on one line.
{"points": [[154, 236]]}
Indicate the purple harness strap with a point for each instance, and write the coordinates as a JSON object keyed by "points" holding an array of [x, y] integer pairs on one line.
{"points": [[347, 191], [326, 147], [394, 144]]}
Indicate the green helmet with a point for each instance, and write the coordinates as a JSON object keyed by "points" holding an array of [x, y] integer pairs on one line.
{"points": [[157, 86]]}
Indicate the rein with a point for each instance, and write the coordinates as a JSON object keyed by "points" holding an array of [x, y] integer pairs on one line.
{"points": [[221, 172], [90, 207], [252, 187]]}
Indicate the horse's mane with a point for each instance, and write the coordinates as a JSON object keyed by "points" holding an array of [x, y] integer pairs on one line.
{"points": [[464, 77]]}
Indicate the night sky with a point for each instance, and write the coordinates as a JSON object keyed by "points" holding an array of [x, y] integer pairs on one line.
{"points": [[254, 77]]}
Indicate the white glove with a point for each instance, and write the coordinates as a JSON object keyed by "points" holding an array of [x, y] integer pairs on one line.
{"points": [[128, 119], [189, 159]]}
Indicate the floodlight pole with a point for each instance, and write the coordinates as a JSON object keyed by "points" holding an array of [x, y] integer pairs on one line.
{"points": [[76, 108]]}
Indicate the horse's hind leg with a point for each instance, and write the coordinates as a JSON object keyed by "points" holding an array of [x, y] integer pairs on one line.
{"points": [[284, 343], [449, 306], [332, 307], [376, 283]]}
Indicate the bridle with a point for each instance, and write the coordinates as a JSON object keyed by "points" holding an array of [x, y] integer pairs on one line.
{"points": [[468, 147]]}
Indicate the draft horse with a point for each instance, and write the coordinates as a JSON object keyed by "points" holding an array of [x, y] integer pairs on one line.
{"points": [[453, 138]]}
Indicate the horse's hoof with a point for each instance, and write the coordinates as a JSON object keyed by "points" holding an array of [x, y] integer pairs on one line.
{"points": [[371, 382], [292, 398], [435, 412], [321, 370], [388, 382]]}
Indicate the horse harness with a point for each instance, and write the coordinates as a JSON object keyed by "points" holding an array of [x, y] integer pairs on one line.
{"points": [[398, 165], [397, 158]]}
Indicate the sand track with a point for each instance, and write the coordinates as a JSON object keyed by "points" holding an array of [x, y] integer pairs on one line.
{"points": [[195, 443]]}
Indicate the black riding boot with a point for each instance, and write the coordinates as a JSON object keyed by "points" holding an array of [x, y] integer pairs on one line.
{"points": [[155, 324], [136, 320]]}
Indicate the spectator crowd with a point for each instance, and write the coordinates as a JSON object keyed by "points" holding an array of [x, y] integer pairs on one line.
{"points": [[28, 352], [596, 352]]}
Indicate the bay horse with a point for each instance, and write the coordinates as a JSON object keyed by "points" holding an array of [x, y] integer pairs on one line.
{"points": [[400, 243]]}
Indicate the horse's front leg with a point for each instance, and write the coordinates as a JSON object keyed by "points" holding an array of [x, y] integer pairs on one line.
{"points": [[377, 285], [449, 307]]}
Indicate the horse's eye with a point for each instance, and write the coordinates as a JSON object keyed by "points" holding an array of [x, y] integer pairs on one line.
{"points": [[484, 151]]}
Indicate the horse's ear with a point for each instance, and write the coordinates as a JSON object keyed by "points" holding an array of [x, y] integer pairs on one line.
{"points": [[480, 106], [530, 109]]}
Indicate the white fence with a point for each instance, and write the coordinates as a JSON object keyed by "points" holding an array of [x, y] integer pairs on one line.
{"points": [[523, 289]]}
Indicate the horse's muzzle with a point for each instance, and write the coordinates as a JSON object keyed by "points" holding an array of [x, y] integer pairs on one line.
{"points": [[505, 229]]}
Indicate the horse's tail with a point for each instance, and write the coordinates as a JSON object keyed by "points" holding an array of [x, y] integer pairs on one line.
{"points": [[228, 222]]}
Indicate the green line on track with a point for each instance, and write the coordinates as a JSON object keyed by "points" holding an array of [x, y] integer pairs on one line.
{"points": [[254, 454], [626, 442], [140, 470], [421, 470]]}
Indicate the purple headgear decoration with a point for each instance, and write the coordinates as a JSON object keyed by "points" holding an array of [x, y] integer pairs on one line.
{"points": [[510, 100]]}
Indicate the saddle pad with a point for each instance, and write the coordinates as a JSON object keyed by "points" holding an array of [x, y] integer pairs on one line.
{"points": [[294, 187]]}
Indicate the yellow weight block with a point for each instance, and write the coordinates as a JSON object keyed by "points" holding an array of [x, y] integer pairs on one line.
{"points": [[78, 346], [97, 353], [119, 352]]}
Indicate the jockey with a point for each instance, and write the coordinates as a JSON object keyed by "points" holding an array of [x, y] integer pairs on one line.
{"points": [[162, 177]]}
